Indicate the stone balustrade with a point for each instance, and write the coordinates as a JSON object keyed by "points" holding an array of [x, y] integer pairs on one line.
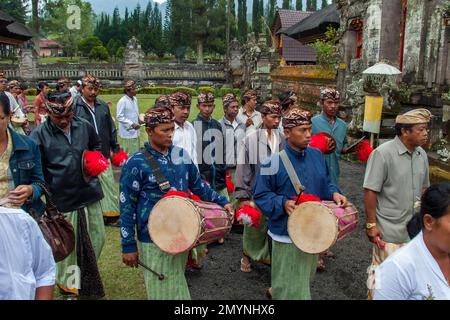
{"points": [[115, 72]]}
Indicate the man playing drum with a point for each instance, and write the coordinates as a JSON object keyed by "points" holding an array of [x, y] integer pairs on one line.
{"points": [[139, 193], [274, 195]]}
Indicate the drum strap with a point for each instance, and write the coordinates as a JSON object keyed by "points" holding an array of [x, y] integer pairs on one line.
{"points": [[161, 180], [299, 188]]}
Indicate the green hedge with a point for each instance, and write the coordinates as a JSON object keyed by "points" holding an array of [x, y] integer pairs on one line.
{"points": [[218, 92]]}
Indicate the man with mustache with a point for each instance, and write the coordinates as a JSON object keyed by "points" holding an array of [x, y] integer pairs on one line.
{"points": [[97, 113], [397, 174], [275, 193], [140, 190], [62, 139]]}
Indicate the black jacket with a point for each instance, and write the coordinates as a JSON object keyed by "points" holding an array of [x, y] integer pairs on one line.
{"points": [[61, 163], [211, 163], [106, 127]]}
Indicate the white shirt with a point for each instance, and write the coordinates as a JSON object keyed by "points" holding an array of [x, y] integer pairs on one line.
{"points": [[256, 117], [26, 261], [127, 115], [73, 91], [411, 273], [186, 138], [16, 110]]}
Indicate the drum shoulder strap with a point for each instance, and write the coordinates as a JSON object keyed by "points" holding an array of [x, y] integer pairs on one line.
{"points": [[299, 188], [161, 180]]}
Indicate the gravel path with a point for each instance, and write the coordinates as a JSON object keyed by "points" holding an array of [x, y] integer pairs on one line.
{"points": [[343, 279]]}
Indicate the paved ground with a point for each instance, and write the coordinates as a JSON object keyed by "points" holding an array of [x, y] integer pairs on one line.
{"points": [[344, 278]]}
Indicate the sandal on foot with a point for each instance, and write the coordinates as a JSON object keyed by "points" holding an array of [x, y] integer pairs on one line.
{"points": [[246, 267], [320, 265], [328, 254], [269, 293]]}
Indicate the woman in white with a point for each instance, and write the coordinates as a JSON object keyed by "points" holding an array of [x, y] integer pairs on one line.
{"points": [[421, 269], [128, 117]]}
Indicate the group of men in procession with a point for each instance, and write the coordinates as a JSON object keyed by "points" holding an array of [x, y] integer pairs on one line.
{"points": [[250, 147]]}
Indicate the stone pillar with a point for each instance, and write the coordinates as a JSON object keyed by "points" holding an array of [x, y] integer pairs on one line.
{"points": [[372, 33], [235, 64], [260, 77], [414, 35], [134, 61], [28, 60]]}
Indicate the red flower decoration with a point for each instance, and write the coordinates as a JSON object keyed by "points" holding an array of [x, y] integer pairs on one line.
{"points": [[175, 193], [95, 163], [364, 150], [229, 183], [306, 197], [119, 158], [249, 216], [320, 142], [194, 196]]}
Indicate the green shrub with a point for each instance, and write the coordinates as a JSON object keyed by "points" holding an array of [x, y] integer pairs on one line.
{"points": [[111, 91], [223, 91], [193, 92], [207, 89]]}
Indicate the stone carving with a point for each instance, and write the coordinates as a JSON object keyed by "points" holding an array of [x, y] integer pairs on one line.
{"points": [[134, 60]]}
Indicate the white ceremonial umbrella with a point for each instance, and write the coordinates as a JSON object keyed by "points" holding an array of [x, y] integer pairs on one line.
{"points": [[382, 68]]}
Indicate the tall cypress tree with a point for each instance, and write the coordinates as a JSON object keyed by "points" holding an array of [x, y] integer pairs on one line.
{"points": [[242, 21], [324, 4], [256, 21], [272, 11], [299, 5], [287, 4]]}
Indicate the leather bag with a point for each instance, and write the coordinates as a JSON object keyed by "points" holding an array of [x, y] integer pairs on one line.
{"points": [[58, 232]]}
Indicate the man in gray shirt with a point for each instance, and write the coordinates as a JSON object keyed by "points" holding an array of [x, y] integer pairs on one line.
{"points": [[397, 173]]}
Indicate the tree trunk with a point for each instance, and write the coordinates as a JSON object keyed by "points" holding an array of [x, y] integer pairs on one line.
{"points": [[35, 17], [200, 52]]}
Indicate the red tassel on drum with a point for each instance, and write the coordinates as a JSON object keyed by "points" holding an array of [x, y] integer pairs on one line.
{"points": [[175, 193], [119, 158], [306, 197], [249, 216], [229, 183], [320, 142], [95, 164], [364, 150], [194, 197]]}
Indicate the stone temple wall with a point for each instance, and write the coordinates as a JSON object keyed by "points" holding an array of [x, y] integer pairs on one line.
{"points": [[425, 52]]}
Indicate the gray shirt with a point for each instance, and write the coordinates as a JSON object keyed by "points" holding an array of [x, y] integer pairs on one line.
{"points": [[399, 178], [233, 133], [253, 150]]}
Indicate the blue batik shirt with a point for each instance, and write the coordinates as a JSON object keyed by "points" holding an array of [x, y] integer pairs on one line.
{"points": [[273, 189], [139, 191], [321, 123]]}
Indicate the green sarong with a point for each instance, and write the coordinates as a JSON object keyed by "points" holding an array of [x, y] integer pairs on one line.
{"points": [[67, 274], [110, 201], [130, 146], [256, 242], [292, 272], [174, 286]]}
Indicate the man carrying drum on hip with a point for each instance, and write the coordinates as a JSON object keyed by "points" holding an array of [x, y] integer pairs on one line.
{"points": [[140, 191], [275, 194]]}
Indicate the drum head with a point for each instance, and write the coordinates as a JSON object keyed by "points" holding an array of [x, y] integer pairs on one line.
{"points": [[313, 228], [174, 225]]}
